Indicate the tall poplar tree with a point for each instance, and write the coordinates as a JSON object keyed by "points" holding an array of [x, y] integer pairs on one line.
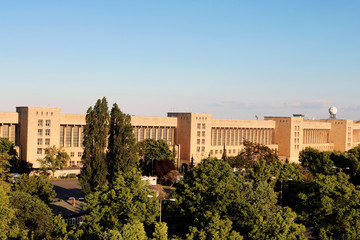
{"points": [[121, 154], [94, 170]]}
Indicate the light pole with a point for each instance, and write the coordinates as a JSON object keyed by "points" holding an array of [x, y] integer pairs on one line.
{"points": [[170, 199], [281, 188]]}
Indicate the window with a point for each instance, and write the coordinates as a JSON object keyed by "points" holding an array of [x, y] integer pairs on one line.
{"points": [[72, 221], [72, 154], [39, 151], [153, 133], [40, 132], [147, 133], [198, 133], [47, 141], [203, 133], [68, 136], [203, 141], [61, 136], [199, 126], [47, 123], [202, 149], [79, 154], [40, 123], [47, 132], [203, 126], [39, 141], [198, 149], [198, 141], [76, 136], [79, 220], [216, 151]]}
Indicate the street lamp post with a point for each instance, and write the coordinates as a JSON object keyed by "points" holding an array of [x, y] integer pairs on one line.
{"points": [[171, 200], [281, 188]]}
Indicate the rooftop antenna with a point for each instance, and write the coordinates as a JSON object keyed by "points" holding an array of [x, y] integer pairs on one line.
{"points": [[333, 111], [256, 117]]}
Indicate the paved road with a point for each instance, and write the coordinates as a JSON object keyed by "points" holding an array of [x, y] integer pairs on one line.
{"points": [[66, 188]]}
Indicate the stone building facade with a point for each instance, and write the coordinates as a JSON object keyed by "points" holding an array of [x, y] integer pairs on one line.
{"points": [[190, 135]]}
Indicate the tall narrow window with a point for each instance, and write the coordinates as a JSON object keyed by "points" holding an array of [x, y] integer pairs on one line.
{"points": [[47, 123], [82, 136], [68, 136], [147, 133], [76, 136], [170, 136], [61, 136], [153, 133], [164, 134], [40, 123]]}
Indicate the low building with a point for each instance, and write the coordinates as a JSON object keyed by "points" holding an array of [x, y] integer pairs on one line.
{"points": [[191, 135]]}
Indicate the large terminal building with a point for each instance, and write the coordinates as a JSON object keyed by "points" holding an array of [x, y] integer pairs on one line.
{"points": [[190, 135]]}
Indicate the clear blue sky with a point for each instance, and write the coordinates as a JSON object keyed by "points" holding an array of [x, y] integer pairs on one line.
{"points": [[233, 59]]}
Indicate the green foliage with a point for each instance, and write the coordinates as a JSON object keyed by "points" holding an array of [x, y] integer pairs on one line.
{"points": [[210, 190], [316, 161], [124, 202], [332, 206], [39, 186], [150, 151], [54, 158], [251, 154], [7, 214], [121, 155], [214, 228], [112, 235], [33, 216], [134, 230], [7, 154], [161, 231], [59, 230], [94, 170]]}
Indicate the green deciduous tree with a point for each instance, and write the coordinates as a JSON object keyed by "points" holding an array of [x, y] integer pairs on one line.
{"points": [[134, 230], [214, 228], [316, 161], [7, 155], [94, 170], [150, 151], [54, 159], [126, 201], [251, 154], [161, 231], [121, 155], [39, 186], [32, 215], [7, 214], [212, 187], [332, 206]]}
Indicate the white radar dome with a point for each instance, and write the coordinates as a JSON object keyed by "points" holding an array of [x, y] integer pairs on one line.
{"points": [[333, 110]]}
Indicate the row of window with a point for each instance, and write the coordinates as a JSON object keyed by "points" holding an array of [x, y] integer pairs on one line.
{"points": [[42, 113], [236, 136], [47, 132], [199, 125], [8, 131], [73, 221], [40, 141], [202, 141], [71, 136], [47, 123], [157, 133]]}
